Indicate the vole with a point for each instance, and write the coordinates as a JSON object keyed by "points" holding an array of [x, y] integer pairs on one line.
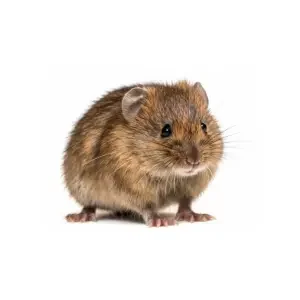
{"points": [[141, 148]]}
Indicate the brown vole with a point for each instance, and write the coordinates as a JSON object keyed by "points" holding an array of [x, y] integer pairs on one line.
{"points": [[141, 148]]}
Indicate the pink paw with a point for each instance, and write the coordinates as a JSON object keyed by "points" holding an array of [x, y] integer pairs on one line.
{"points": [[158, 221], [190, 216], [81, 217]]}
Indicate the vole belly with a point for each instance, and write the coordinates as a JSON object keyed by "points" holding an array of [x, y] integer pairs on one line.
{"points": [[103, 193]]}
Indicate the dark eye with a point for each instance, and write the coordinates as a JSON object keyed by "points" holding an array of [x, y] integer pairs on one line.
{"points": [[204, 127], [166, 131]]}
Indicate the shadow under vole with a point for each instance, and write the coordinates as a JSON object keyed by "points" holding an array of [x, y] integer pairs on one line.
{"points": [[126, 216]]}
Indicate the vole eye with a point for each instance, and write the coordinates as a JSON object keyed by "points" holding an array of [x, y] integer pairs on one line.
{"points": [[166, 131], [204, 127]]}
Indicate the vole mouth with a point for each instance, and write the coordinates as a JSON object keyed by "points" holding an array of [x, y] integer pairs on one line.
{"points": [[190, 171]]}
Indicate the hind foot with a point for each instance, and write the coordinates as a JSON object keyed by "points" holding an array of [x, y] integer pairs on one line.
{"points": [[190, 216], [87, 214], [158, 221]]}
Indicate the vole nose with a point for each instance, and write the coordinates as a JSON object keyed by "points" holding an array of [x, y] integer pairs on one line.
{"points": [[192, 162], [193, 157]]}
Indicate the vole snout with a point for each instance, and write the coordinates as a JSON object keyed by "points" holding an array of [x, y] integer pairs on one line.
{"points": [[193, 156]]}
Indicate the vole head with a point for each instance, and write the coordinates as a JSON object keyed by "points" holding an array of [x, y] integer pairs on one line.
{"points": [[171, 129]]}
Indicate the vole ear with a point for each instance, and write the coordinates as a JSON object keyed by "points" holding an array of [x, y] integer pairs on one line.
{"points": [[199, 89], [132, 102]]}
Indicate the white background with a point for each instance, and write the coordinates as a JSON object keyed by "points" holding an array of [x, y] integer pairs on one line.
{"points": [[57, 57], [71, 91]]}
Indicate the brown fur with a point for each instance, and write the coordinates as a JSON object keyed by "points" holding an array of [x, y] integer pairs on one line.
{"points": [[118, 165]]}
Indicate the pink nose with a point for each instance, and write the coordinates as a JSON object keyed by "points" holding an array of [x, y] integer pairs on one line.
{"points": [[192, 162]]}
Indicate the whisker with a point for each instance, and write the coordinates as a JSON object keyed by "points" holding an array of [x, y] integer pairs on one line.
{"points": [[147, 173], [208, 168], [220, 138], [221, 132]]}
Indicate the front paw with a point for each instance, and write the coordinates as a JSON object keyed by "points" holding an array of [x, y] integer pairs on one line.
{"points": [[190, 216]]}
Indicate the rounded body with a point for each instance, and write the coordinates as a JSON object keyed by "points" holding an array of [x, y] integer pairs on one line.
{"points": [[121, 162]]}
